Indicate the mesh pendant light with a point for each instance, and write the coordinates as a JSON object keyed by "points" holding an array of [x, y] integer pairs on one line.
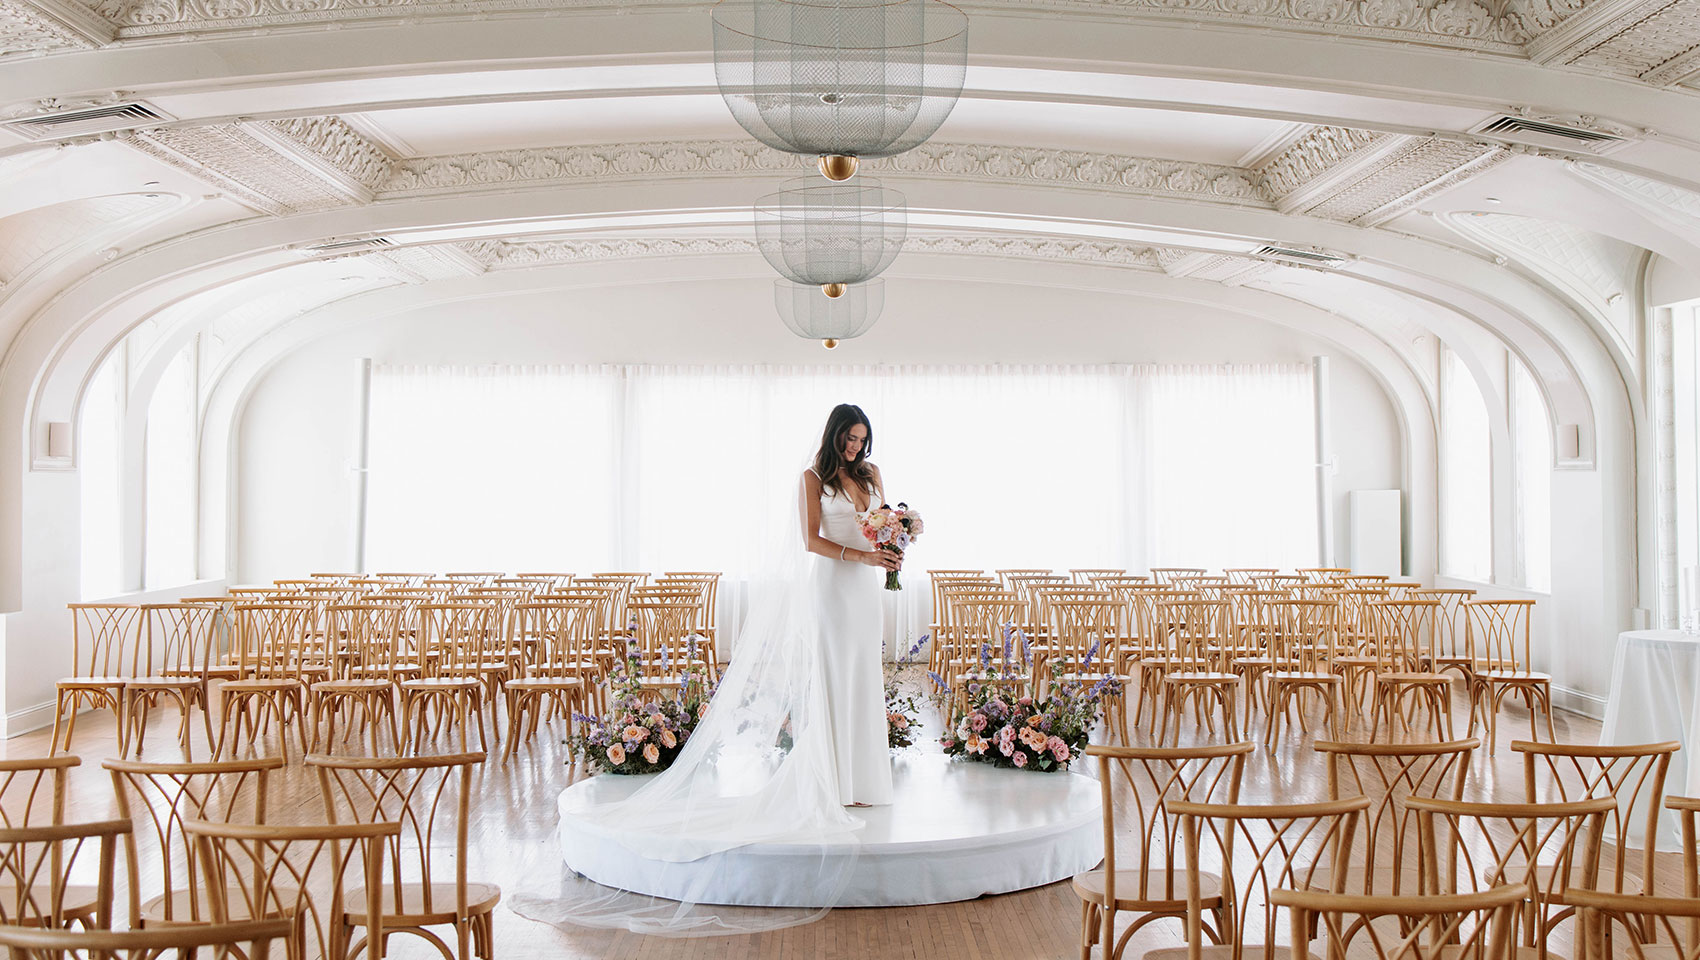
{"points": [[812, 314], [840, 79], [831, 234]]}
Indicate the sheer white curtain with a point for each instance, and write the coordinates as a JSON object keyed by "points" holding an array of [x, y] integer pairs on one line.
{"points": [[656, 468]]}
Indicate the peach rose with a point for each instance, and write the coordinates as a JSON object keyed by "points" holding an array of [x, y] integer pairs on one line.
{"points": [[668, 740], [634, 734], [652, 753], [616, 754]]}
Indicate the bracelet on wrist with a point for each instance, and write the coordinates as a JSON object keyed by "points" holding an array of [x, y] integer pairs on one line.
{"points": [[841, 552]]}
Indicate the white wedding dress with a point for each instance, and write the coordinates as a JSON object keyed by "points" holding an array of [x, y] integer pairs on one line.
{"points": [[848, 598]]}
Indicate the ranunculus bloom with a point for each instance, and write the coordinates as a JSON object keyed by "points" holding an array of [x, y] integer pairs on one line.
{"points": [[616, 754], [652, 753], [1020, 759]]}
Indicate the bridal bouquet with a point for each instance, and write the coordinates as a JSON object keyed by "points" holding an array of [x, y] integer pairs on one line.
{"points": [[645, 729], [891, 530]]}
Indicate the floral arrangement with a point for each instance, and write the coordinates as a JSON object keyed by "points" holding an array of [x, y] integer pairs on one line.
{"points": [[644, 731], [1025, 732], [892, 530], [901, 709]]}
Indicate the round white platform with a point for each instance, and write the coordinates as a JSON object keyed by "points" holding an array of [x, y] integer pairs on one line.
{"points": [[956, 831]]}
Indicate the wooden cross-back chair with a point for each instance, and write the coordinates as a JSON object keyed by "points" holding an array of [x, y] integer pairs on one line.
{"points": [[1260, 848], [37, 864], [1633, 775], [250, 940], [1196, 629], [1355, 656], [668, 646], [106, 643], [952, 653], [708, 622], [180, 638], [1322, 574], [1086, 575], [271, 656], [1499, 642], [452, 695], [1303, 643], [429, 798], [308, 874], [561, 677], [1083, 637], [1149, 879], [365, 672], [1451, 647], [1468, 847], [1470, 926], [157, 798], [998, 655], [1166, 575], [1386, 862], [1404, 640], [1249, 652], [33, 794]]}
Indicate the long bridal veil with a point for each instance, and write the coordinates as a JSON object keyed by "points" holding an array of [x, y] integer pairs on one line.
{"points": [[758, 770]]}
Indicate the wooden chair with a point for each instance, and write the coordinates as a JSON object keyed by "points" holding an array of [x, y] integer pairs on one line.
{"points": [[252, 940], [1248, 575], [1000, 657], [1301, 644], [1391, 774], [105, 642], [181, 636], [1082, 655], [157, 798], [298, 873], [1471, 926], [271, 640], [36, 867], [1086, 575], [1260, 848], [1632, 775], [562, 676], [708, 618], [1150, 881], [1451, 634], [1619, 925], [1404, 638], [667, 645], [416, 792], [365, 671], [1499, 641], [1166, 575], [1251, 648], [1196, 630], [32, 794], [1322, 574], [1549, 847], [1355, 656], [453, 637]]}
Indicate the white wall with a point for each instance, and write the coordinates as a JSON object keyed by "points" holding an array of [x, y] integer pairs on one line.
{"points": [[294, 503]]}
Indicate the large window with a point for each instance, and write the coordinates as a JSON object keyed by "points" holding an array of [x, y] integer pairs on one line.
{"points": [[169, 534], [1466, 475], [1531, 442], [661, 467]]}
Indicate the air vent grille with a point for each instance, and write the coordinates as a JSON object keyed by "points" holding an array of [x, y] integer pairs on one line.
{"points": [[1546, 133], [1310, 258], [359, 245], [88, 120]]}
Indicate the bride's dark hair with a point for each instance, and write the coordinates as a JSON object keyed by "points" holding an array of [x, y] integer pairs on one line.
{"points": [[829, 459]]}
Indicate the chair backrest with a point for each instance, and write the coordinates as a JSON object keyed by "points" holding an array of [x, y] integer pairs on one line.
{"points": [[1633, 775], [428, 797], [564, 633], [106, 639], [1255, 619], [1193, 625], [271, 638], [32, 790], [1450, 629], [1085, 575], [1403, 632], [1620, 926], [1247, 575], [180, 637], [1321, 574], [457, 634], [1390, 774], [1304, 635], [1468, 847], [369, 635], [1168, 574], [989, 627], [302, 872], [1471, 926], [666, 632], [1082, 634], [248, 940], [37, 864], [1259, 848], [157, 798], [1156, 776], [1498, 633]]}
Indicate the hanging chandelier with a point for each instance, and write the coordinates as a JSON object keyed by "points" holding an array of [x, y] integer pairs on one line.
{"points": [[811, 314], [841, 80], [831, 235]]}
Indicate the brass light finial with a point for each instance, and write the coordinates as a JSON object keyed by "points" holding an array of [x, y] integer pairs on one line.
{"points": [[833, 290], [837, 167], [829, 343]]}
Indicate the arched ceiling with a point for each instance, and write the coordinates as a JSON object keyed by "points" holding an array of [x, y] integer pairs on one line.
{"points": [[293, 154]]}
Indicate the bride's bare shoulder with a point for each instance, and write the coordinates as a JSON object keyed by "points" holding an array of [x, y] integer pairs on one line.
{"points": [[811, 478]]}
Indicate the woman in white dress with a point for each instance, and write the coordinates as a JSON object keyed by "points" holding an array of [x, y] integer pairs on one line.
{"points": [[847, 580]]}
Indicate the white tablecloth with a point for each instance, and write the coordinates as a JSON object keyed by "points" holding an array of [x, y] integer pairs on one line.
{"points": [[1654, 679]]}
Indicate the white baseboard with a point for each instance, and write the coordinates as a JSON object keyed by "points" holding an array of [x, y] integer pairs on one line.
{"points": [[1575, 701], [20, 722]]}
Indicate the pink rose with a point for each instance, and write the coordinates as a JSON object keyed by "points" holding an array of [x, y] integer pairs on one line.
{"points": [[1058, 749], [978, 723], [1020, 759]]}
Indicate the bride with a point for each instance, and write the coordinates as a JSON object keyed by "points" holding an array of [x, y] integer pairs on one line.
{"points": [[841, 484], [794, 737]]}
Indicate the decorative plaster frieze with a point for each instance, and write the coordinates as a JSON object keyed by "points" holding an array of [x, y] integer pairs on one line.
{"points": [[1664, 198], [1417, 169], [438, 261], [1320, 150], [515, 254], [1223, 268], [1656, 41], [277, 167], [27, 27], [650, 161]]}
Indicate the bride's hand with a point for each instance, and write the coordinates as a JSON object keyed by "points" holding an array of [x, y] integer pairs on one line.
{"points": [[882, 558]]}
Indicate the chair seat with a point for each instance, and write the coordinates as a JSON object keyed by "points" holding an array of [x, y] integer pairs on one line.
{"points": [[1414, 678], [351, 686], [93, 683], [1225, 952], [1202, 677], [1454, 951], [1514, 676], [442, 684], [480, 898], [1089, 886], [164, 683], [1299, 676], [546, 683], [154, 910], [81, 901], [262, 686], [1354, 660]]}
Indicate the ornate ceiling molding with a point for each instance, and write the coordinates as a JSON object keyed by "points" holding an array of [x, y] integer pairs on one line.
{"points": [[45, 26], [1223, 268], [442, 261], [276, 167], [1654, 41], [520, 254], [1404, 172], [696, 159]]}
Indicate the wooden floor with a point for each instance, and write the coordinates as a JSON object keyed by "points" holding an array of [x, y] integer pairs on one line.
{"points": [[512, 846]]}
